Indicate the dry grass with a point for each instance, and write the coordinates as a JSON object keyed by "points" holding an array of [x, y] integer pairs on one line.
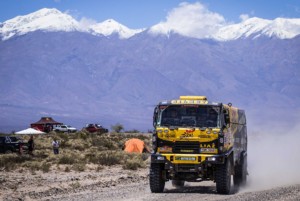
{"points": [[134, 161], [77, 150]]}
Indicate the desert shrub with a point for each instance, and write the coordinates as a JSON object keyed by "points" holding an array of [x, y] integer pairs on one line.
{"points": [[78, 144], [104, 143], [99, 168], [107, 158], [52, 158], [145, 156], [80, 167], [132, 131], [41, 154], [67, 169], [45, 167], [32, 165], [75, 185], [12, 161], [117, 128], [82, 135], [63, 136], [133, 162], [68, 159], [42, 143]]}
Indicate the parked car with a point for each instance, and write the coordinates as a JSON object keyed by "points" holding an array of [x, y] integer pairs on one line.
{"points": [[11, 144], [64, 128], [96, 128]]}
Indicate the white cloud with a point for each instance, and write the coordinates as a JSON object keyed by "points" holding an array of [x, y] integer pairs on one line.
{"points": [[193, 20], [85, 23], [244, 17]]}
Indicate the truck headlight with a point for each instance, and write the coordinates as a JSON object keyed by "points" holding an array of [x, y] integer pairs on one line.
{"points": [[161, 158], [212, 159]]}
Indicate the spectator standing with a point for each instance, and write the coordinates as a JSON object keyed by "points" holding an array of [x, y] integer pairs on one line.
{"points": [[30, 145], [55, 145]]}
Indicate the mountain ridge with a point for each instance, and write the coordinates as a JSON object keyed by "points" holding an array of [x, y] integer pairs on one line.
{"points": [[79, 78], [54, 20]]}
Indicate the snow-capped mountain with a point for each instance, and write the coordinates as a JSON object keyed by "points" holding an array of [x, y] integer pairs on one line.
{"points": [[54, 20], [44, 19], [110, 27], [256, 27]]}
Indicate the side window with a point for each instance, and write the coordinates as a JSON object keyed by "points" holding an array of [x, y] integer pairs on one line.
{"points": [[2, 140]]}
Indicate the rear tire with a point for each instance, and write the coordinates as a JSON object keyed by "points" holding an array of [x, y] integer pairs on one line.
{"points": [[223, 177], [157, 182], [178, 183], [240, 173]]}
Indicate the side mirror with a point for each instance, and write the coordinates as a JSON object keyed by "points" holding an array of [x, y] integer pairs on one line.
{"points": [[155, 113]]}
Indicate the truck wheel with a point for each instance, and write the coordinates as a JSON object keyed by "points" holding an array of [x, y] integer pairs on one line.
{"points": [[240, 173], [177, 183], [157, 182], [223, 177]]}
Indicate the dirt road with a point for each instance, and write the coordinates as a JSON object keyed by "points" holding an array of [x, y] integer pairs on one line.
{"points": [[114, 183]]}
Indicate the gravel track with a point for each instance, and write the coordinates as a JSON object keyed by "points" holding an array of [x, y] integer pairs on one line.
{"points": [[114, 183]]}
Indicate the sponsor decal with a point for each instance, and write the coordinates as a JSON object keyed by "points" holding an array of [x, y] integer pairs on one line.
{"points": [[190, 130], [186, 135], [168, 135], [189, 102], [208, 150]]}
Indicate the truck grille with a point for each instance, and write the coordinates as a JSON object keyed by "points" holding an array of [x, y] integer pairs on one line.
{"points": [[186, 168], [186, 147]]}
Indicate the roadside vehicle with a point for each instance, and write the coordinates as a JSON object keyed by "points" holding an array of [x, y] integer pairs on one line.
{"points": [[195, 140], [11, 144], [64, 128], [95, 128]]}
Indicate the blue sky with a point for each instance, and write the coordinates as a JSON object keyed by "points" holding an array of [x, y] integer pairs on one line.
{"points": [[146, 13]]}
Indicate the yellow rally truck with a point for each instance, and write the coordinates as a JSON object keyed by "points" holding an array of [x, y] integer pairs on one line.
{"points": [[195, 140]]}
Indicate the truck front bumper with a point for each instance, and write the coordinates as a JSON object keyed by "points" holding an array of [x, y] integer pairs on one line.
{"points": [[188, 162]]}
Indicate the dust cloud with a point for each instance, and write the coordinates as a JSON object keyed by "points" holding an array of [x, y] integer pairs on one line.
{"points": [[273, 158]]}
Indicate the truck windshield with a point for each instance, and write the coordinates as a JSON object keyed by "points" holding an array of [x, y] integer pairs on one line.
{"points": [[189, 115]]}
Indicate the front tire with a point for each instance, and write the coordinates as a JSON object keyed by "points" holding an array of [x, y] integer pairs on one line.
{"points": [[223, 177], [157, 182]]}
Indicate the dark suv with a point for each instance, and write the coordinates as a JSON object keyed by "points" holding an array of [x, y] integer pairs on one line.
{"points": [[95, 128], [10, 144]]}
